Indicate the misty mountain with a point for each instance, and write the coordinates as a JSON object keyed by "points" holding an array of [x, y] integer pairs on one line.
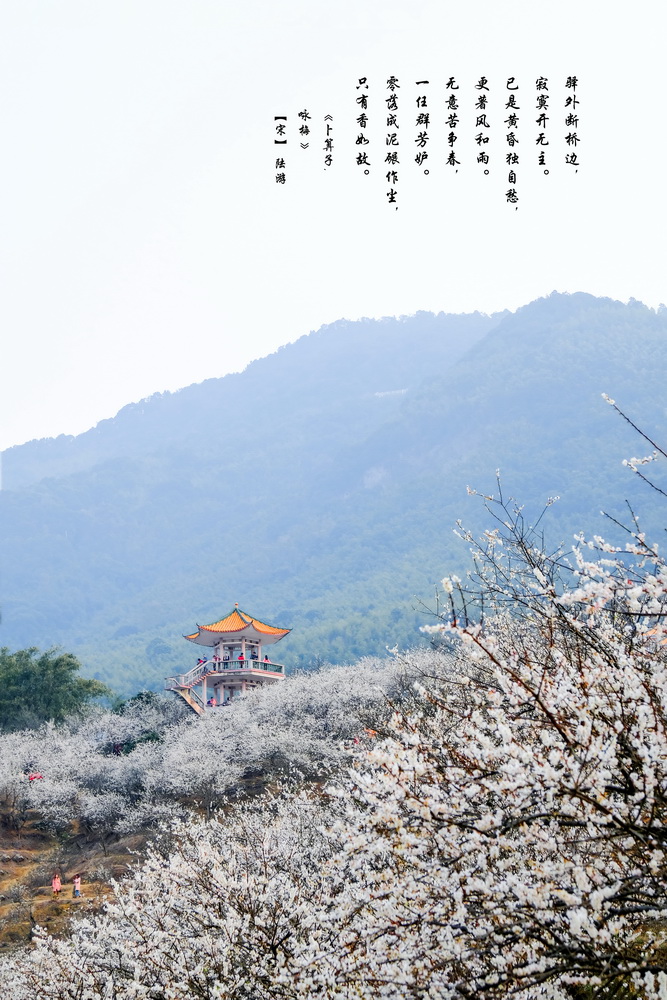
{"points": [[319, 487]]}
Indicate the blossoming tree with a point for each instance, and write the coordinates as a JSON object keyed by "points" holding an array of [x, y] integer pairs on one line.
{"points": [[507, 834]]}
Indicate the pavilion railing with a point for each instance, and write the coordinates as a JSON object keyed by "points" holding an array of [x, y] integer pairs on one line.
{"points": [[247, 664], [210, 668]]}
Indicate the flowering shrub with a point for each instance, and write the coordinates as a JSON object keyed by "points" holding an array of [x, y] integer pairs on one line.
{"points": [[508, 833], [308, 724], [505, 831]]}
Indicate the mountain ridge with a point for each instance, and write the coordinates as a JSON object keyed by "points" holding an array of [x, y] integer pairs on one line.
{"points": [[213, 392], [297, 491]]}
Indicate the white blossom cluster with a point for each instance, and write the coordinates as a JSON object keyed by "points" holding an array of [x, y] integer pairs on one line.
{"points": [[505, 832], [307, 725]]}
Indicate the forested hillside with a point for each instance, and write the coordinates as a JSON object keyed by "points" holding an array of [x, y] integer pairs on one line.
{"points": [[319, 487], [482, 819]]}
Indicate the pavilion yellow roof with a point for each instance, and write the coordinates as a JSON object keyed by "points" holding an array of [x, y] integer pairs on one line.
{"points": [[234, 625]]}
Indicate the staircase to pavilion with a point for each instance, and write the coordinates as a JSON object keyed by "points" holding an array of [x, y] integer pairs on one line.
{"points": [[184, 684], [192, 699]]}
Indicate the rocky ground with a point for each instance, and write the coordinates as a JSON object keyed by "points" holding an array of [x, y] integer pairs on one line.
{"points": [[28, 859]]}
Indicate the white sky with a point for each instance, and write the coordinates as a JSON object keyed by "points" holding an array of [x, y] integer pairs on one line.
{"points": [[144, 244]]}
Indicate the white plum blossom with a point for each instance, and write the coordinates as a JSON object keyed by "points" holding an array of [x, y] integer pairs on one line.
{"points": [[488, 817]]}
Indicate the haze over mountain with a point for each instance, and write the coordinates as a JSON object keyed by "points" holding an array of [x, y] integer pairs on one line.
{"points": [[319, 487]]}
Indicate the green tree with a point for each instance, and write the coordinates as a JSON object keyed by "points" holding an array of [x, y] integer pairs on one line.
{"points": [[38, 687]]}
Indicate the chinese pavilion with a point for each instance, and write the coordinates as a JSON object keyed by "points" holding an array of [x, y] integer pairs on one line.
{"points": [[238, 661]]}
